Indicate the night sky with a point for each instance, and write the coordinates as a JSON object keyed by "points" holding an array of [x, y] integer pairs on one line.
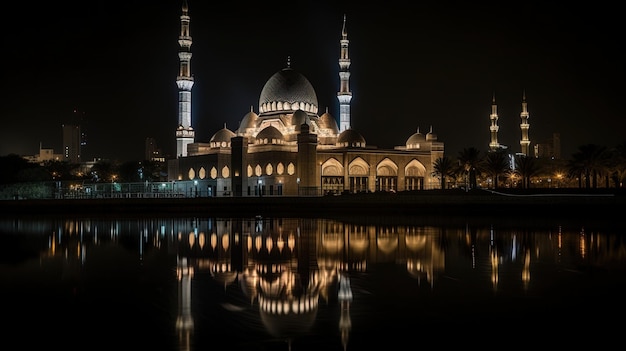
{"points": [[411, 67]]}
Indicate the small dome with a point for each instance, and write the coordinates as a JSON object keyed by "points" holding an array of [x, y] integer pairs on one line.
{"points": [[430, 135], [327, 121], [270, 135], [351, 138], [415, 140], [287, 91], [222, 136], [248, 121]]}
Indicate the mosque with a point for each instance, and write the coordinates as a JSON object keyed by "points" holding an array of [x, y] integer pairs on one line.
{"points": [[288, 147]]}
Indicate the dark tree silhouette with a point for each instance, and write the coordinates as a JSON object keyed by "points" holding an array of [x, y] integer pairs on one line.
{"points": [[496, 164], [470, 164], [526, 167], [589, 162], [443, 167]]}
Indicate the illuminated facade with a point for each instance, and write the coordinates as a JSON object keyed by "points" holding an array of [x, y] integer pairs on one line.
{"points": [[289, 148], [185, 134]]}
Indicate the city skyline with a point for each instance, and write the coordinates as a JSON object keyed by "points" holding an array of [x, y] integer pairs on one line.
{"points": [[410, 68]]}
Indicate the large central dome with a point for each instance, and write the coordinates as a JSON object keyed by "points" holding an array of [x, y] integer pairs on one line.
{"points": [[287, 91]]}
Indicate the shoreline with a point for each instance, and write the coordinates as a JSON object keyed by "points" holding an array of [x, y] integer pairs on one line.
{"points": [[594, 206]]}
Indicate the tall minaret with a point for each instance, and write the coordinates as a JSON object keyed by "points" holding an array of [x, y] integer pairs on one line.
{"points": [[184, 133], [344, 95], [494, 145], [525, 142]]}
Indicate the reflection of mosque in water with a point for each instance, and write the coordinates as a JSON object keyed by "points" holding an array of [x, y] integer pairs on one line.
{"points": [[286, 268]]}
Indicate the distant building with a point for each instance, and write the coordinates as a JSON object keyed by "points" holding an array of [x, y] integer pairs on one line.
{"points": [[152, 151], [44, 155], [550, 148], [71, 143]]}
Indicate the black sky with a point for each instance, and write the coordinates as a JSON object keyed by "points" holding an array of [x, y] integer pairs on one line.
{"points": [[413, 66]]}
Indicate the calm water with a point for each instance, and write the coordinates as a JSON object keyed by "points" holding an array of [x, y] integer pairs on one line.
{"points": [[308, 284]]}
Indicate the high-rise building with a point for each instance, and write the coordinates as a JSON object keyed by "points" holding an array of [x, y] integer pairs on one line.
{"points": [[152, 151], [71, 143], [550, 148]]}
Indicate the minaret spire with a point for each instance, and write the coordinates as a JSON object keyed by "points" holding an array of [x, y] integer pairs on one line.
{"points": [[493, 144], [524, 142], [184, 133], [344, 95]]}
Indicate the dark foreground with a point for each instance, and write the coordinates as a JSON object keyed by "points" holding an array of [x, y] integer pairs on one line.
{"points": [[307, 284], [601, 206]]}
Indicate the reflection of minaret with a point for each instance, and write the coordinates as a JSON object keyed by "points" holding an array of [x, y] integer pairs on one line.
{"points": [[526, 270], [344, 96], [184, 320], [495, 264], [345, 298], [525, 142], [184, 133], [494, 145]]}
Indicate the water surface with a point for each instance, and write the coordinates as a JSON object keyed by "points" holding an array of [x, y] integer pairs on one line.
{"points": [[308, 284]]}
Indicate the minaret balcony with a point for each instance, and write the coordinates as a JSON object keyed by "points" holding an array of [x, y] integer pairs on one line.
{"points": [[185, 133]]}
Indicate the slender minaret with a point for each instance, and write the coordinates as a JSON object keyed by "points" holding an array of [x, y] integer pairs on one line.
{"points": [[344, 95], [494, 145], [184, 133], [525, 142]]}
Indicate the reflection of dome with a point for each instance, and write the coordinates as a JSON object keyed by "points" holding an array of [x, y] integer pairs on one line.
{"points": [[415, 268], [387, 244], [332, 242], [359, 244], [287, 91], [351, 138], [288, 318], [415, 242], [222, 136], [222, 273]]}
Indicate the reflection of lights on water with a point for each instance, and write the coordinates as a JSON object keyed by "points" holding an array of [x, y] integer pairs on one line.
{"points": [[582, 243]]}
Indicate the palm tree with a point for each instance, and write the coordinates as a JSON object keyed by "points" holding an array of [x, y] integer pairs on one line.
{"points": [[470, 164], [589, 162], [496, 164], [526, 167], [443, 167], [618, 165]]}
